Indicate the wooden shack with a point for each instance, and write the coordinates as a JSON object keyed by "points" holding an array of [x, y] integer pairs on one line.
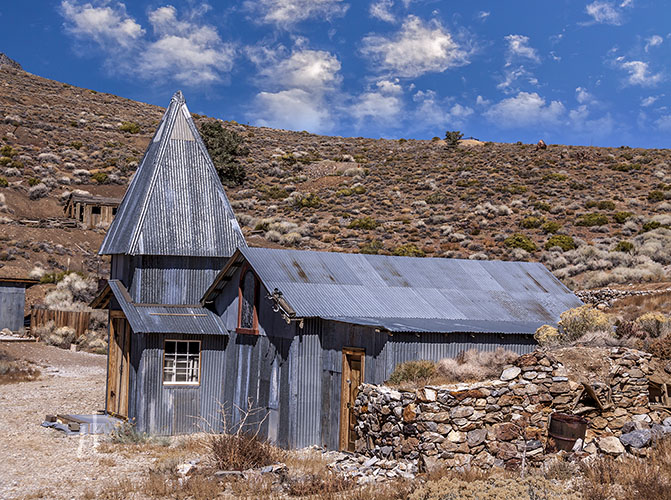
{"points": [[91, 210], [204, 329], [13, 301]]}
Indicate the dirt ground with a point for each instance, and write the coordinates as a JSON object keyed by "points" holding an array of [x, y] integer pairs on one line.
{"points": [[37, 462]]}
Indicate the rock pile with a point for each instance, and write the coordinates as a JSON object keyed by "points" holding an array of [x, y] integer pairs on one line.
{"points": [[504, 422], [604, 297]]}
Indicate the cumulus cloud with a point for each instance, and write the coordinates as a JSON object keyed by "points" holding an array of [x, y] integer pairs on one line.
{"points": [[286, 13], [417, 48], [108, 26], [639, 73], [381, 10], [604, 13], [582, 95], [525, 109], [380, 104], [518, 47], [298, 88], [653, 41], [434, 112], [183, 50]]}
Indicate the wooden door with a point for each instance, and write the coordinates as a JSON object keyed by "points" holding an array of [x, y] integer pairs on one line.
{"points": [[118, 365], [352, 378]]}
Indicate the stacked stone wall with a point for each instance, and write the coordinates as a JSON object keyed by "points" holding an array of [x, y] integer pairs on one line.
{"points": [[504, 422]]}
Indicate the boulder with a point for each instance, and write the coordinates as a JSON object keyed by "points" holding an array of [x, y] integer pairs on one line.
{"points": [[636, 439], [510, 373], [610, 445]]}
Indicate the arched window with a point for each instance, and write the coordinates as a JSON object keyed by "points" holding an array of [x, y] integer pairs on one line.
{"points": [[248, 321]]}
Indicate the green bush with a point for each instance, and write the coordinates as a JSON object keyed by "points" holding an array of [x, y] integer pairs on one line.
{"points": [[100, 177], [601, 205], [8, 151], [57, 277], [551, 227], [274, 193], [436, 198], [650, 225], [5, 161], [531, 222], [351, 191], [621, 217], [554, 176], [408, 250], [130, 127], [33, 181], [76, 145], [225, 147], [371, 247], [309, 200], [593, 219], [452, 138], [520, 241], [541, 205], [562, 241], [655, 196], [413, 371], [3, 182], [624, 246], [366, 223]]}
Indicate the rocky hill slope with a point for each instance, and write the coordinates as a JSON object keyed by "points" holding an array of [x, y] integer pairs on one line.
{"points": [[594, 216]]}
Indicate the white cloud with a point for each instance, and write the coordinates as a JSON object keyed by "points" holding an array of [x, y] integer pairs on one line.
{"points": [[286, 13], [185, 51], [525, 109], [431, 111], [664, 123], [649, 101], [639, 73], [605, 12], [653, 41], [418, 48], [511, 75], [108, 26], [299, 88], [581, 121], [518, 47], [380, 105], [483, 14], [582, 95], [380, 9]]}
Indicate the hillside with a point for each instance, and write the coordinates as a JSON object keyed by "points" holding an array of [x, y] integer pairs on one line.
{"points": [[477, 200]]}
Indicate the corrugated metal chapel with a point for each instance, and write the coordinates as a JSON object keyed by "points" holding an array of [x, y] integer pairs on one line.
{"points": [[207, 334]]}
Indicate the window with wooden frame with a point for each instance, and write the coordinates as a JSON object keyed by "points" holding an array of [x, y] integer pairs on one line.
{"points": [[181, 362], [248, 300]]}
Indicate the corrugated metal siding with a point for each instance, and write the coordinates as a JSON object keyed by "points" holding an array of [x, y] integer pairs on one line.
{"points": [[308, 390], [175, 204], [12, 303], [331, 285], [163, 409]]}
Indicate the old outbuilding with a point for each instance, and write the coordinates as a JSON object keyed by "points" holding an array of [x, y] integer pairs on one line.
{"points": [[206, 333], [91, 211], [13, 301]]}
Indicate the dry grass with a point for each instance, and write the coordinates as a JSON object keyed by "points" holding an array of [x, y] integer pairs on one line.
{"points": [[474, 365], [630, 478], [13, 371], [241, 452]]}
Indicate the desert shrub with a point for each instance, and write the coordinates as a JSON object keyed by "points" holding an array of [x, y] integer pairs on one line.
{"points": [[654, 324], [310, 200], [655, 196], [592, 219], [475, 365], [12, 370], [38, 191], [578, 321], [436, 198], [371, 247], [347, 191], [531, 222], [3, 182], [601, 205], [76, 145], [543, 206], [33, 181], [415, 372], [660, 347], [59, 337], [547, 335], [624, 246], [366, 223], [130, 127], [621, 217], [319, 485], [520, 241], [408, 250], [650, 226], [563, 241], [241, 452], [72, 293], [225, 147], [555, 176], [551, 227], [126, 433], [452, 138], [100, 177], [275, 193]]}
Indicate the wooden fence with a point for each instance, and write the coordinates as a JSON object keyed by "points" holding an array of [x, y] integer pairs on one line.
{"points": [[78, 320]]}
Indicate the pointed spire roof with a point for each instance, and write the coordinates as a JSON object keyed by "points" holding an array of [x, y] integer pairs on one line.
{"points": [[175, 204]]}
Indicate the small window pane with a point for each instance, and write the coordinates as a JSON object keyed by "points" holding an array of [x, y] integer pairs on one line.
{"points": [[170, 346], [181, 361], [248, 301]]}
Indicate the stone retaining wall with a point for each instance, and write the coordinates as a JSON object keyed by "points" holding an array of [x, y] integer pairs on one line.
{"points": [[606, 296], [503, 422]]}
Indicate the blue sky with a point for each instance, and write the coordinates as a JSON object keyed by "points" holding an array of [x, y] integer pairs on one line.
{"points": [[573, 72]]}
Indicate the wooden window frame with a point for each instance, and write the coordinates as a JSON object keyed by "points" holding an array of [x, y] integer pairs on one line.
{"points": [[255, 330], [200, 365]]}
